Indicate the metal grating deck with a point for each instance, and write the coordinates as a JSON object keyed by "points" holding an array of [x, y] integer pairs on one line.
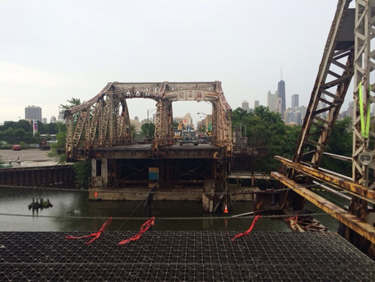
{"points": [[182, 256]]}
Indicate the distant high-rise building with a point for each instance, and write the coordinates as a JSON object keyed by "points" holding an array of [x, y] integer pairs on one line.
{"points": [[281, 94], [298, 117], [271, 101], [278, 109], [53, 119], [44, 120], [351, 109], [245, 105], [33, 112], [295, 101], [256, 104], [288, 116], [302, 113]]}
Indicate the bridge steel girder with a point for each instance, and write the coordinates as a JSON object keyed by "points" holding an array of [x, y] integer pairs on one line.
{"points": [[104, 125], [362, 228], [332, 82], [364, 66], [318, 123], [164, 124], [331, 179]]}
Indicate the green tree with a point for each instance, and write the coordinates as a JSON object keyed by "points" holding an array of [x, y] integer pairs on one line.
{"points": [[10, 135], [133, 130], [263, 128], [175, 125], [290, 140], [41, 128], [60, 127], [72, 103], [25, 125], [82, 171], [148, 129], [50, 128], [340, 143], [202, 129], [58, 148]]}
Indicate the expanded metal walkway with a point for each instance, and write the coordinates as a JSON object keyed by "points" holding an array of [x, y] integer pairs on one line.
{"points": [[182, 256]]}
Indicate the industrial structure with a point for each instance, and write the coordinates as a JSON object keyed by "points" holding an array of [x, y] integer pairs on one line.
{"points": [[100, 130], [348, 53]]}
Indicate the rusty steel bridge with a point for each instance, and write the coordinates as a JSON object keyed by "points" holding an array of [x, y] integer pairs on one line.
{"points": [[99, 130]]}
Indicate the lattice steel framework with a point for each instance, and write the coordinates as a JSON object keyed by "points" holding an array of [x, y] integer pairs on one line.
{"points": [[332, 82], [348, 52], [363, 67], [104, 120]]}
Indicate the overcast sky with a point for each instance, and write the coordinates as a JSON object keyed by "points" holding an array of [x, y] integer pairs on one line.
{"points": [[52, 51]]}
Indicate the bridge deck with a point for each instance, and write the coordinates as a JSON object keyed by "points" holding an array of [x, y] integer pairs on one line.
{"points": [[141, 151], [182, 256]]}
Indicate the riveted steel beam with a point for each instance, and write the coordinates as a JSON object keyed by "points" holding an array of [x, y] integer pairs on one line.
{"points": [[363, 89], [331, 179], [364, 229], [106, 126], [331, 84]]}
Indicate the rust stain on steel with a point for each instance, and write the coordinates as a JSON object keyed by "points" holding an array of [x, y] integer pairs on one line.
{"points": [[342, 183], [109, 125], [364, 229]]}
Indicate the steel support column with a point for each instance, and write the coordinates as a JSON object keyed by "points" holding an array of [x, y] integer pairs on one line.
{"points": [[363, 89]]}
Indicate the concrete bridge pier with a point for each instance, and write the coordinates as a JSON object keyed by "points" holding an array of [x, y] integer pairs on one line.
{"points": [[99, 173], [208, 195], [214, 200]]}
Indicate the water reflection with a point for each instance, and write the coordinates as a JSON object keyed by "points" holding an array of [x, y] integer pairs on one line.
{"points": [[76, 203]]}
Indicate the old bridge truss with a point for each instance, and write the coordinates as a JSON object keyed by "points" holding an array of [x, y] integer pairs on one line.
{"points": [[104, 120], [349, 52]]}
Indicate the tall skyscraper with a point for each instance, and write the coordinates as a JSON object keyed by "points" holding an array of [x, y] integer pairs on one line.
{"points": [[245, 105], [281, 95], [278, 106], [295, 101], [256, 104], [33, 112]]}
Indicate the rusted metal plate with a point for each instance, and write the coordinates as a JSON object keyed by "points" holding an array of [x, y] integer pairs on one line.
{"points": [[364, 229], [40, 175], [331, 179]]}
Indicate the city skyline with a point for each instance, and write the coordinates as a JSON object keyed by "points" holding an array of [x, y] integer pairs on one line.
{"points": [[48, 57]]}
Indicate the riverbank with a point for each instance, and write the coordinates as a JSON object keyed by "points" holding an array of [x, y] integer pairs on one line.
{"points": [[27, 158]]}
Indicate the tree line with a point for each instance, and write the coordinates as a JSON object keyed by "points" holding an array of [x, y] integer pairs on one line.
{"points": [[264, 128], [16, 132]]}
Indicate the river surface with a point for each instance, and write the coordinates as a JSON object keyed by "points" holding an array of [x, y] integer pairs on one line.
{"points": [[16, 216]]}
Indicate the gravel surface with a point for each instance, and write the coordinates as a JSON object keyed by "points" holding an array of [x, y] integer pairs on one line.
{"points": [[29, 157]]}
